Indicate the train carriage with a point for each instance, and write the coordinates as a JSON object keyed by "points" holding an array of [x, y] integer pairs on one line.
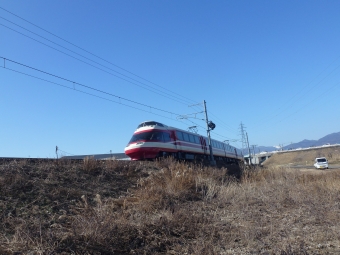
{"points": [[153, 139]]}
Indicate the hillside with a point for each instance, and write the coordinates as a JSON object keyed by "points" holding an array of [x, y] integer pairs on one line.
{"points": [[304, 157], [166, 207], [333, 138]]}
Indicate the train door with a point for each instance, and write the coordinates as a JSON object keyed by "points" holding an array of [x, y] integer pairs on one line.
{"points": [[179, 143], [225, 149], [204, 145]]}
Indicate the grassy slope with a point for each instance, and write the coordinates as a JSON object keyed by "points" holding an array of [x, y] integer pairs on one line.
{"points": [[166, 207], [303, 156]]}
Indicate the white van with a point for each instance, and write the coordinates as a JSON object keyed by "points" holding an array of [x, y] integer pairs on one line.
{"points": [[321, 163]]}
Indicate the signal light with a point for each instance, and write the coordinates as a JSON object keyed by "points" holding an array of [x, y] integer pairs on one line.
{"points": [[211, 125]]}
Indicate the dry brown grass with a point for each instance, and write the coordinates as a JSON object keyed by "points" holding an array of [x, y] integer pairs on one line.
{"points": [[304, 157], [165, 207]]}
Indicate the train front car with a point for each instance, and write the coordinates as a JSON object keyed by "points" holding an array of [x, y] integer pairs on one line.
{"points": [[151, 140]]}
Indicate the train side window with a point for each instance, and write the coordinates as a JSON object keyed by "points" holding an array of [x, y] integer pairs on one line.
{"points": [[186, 137], [179, 135], [197, 140], [166, 137], [191, 138]]}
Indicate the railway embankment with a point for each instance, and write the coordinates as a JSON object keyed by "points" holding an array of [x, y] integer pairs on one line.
{"points": [[164, 207]]}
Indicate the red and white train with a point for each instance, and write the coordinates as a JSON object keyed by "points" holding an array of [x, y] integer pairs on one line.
{"points": [[153, 139]]}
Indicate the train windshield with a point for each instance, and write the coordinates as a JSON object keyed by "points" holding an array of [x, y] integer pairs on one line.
{"points": [[147, 136], [150, 123]]}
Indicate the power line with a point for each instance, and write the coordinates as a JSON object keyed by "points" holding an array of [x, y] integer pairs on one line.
{"points": [[227, 127], [224, 124], [159, 93], [81, 56], [90, 94], [185, 117], [206, 130], [65, 152], [296, 96], [97, 90], [87, 51], [77, 83], [311, 101], [186, 99]]}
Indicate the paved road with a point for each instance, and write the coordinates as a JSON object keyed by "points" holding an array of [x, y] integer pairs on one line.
{"points": [[330, 166]]}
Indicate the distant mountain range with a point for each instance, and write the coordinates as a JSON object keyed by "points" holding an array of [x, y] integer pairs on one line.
{"points": [[331, 139]]}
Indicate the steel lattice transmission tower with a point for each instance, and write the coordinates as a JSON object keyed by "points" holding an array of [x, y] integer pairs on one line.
{"points": [[243, 137], [245, 141]]}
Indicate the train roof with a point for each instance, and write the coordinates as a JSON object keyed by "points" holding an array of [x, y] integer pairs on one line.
{"points": [[151, 123]]}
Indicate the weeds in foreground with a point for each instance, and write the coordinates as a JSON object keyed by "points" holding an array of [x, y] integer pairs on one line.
{"points": [[165, 207]]}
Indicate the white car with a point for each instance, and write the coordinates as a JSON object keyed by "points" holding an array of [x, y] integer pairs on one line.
{"points": [[321, 163]]}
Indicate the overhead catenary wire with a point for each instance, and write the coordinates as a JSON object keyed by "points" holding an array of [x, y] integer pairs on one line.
{"points": [[178, 96], [89, 52], [66, 152], [226, 126], [97, 90], [204, 128], [149, 89], [103, 98], [223, 123], [90, 94], [80, 84]]}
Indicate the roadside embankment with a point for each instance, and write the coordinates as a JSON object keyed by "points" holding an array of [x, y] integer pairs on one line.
{"points": [[304, 157]]}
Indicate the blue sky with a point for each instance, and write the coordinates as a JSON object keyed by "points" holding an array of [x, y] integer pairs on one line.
{"points": [[273, 65]]}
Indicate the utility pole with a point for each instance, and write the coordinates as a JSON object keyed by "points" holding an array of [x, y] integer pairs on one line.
{"points": [[56, 151], [254, 146], [209, 127], [250, 163], [254, 152]]}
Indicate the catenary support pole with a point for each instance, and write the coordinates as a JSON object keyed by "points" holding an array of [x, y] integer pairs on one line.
{"points": [[212, 161]]}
